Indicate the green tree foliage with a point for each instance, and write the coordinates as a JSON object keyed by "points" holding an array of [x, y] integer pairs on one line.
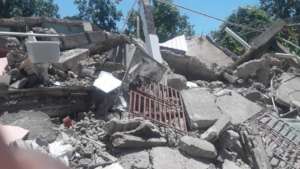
{"points": [[102, 13], [285, 9], [12, 8], [168, 21], [250, 16], [281, 8]]}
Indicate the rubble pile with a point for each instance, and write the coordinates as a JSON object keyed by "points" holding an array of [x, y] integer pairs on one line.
{"points": [[94, 99]]}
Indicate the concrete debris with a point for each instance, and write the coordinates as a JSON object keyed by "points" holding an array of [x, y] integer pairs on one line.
{"points": [[95, 99], [69, 59], [213, 133], [202, 110], [203, 60], [288, 91], [232, 165], [121, 140], [176, 81], [197, 148], [236, 106], [115, 125], [164, 157], [136, 159], [258, 68]]}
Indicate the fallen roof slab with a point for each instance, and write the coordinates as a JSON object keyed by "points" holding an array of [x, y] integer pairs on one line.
{"points": [[202, 111], [235, 105]]}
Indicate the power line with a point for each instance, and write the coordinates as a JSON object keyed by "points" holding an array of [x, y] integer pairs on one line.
{"points": [[211, 17]]}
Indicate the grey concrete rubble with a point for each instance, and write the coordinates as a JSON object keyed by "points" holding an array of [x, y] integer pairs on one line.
{"points": [[288, 91], [197, 148], [164, 157], [136, 159], [69, 59], [202, 60], [213, 133], [176, 81], [236, 106], [121, 140], [258, 68], [202, 110]]}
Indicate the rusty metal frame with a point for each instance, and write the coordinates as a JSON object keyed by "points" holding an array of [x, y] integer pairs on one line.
{"points": [[160, 104]]}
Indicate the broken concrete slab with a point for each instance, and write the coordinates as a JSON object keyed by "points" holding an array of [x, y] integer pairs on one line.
{"points": [[38, 123], [203, 59], [197, 148], [164, 157], [213, 133], [209, 54], [136, 159], [176, 81], [69, 59], [236, 106], [288, 92], [201, 108], [257, 68], [142, 65], [121, 140]]}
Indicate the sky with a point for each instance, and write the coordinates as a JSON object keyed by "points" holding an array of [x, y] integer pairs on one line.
{"points": [[202, 25]]}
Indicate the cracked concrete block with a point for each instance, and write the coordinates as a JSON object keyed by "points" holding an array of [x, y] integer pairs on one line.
{"points": [[197, 148], [236, 106], [69, 60], [288, 92], [202, 111], [136, 160], [165, 157]]}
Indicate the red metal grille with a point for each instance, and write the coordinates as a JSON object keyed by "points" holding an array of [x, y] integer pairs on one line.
{"points": [[160, 104]]}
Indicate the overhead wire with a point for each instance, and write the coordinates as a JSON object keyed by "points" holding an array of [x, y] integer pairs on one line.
{"points": [[211, 17]]}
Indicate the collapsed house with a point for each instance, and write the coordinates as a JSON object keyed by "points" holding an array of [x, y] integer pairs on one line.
{"points": [[95, 99]]}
